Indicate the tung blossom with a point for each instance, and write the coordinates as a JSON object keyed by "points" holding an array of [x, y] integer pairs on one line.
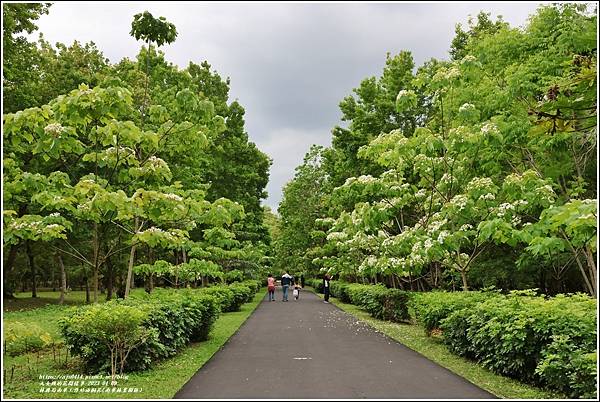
{"points": [[54, 129]]}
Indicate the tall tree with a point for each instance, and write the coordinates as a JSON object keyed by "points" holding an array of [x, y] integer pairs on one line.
{"points": [[20, 57]]}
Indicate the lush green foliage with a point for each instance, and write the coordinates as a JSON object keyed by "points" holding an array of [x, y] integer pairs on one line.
{"points": [[430, 308], [106, 166], [316, 284], [377, 300], [148, 327], [468, 173], [522, 336], [22, 338], [162, 380]]}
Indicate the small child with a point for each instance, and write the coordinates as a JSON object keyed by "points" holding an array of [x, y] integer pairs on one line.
{"points": [[296, 292]]}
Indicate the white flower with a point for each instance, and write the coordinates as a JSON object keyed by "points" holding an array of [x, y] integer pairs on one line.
{"points": [[365, 179], [460, 201], [488, 196], [442, 236], [54, 129], [420, 193], [489, 128], [466, 107], [503, 208], [173, 197], [452, 73], [55, 214], [337, 236], [480, 183]]}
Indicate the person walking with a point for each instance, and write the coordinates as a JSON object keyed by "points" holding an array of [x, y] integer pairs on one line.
{"points": [[326, 280], [296, 292], [271, 287], [302, 280], [286, 281]]}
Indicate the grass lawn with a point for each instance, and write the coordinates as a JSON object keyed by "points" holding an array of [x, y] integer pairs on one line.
{"points": [[161, 382], [413, 336]]}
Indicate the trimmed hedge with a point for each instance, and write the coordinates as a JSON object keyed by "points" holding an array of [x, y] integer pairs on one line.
{"points": [[430, 308], [316, 284], [379, 301], [168, 320], [226, 297], [548, 342], [254, 285]]}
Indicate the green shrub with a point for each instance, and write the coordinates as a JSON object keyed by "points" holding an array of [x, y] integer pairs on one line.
{"points": [[339, 290], [430, 308], [92, 331], [224, 296], [316, 284], [569, 368], [20, 338], [379, 301], [537, 340], [234, 276], [253, 284], [242, 294], [175, 317]]}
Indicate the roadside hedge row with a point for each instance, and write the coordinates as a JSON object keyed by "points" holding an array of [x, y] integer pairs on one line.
{"points": [[316, 284], [379, 301], [546, 341], [147, 328]]}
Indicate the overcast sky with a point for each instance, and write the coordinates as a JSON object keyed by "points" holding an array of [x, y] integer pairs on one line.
{"points": [[290, 64]]}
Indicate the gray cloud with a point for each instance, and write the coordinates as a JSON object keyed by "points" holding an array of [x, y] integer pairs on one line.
{"points": [[289, 64]]}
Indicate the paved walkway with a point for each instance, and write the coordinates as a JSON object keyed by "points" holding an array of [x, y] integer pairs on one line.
{"points": [[308, 349]]}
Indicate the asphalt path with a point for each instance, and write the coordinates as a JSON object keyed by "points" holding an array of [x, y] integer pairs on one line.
{"points": [[308, 349]]}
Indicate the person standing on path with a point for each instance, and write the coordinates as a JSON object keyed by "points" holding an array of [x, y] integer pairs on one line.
{"points": [[302, 280], [286, 281], [326, 280], [271, 287]]}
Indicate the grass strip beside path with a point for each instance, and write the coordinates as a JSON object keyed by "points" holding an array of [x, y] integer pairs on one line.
{"points": [[413, 337], [160, 382]]}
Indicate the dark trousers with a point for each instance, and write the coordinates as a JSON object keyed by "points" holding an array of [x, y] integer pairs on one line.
{"points": [[326, 293]]}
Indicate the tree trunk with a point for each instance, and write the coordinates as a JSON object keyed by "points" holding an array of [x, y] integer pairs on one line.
{"points": [[32, 267], [110, 278], [96, 246], [592, 270], [463, 275], [87, 288], [129, 280], [52, 280], [7, 291], [128, 283], [63, 278], [184, 255]]}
